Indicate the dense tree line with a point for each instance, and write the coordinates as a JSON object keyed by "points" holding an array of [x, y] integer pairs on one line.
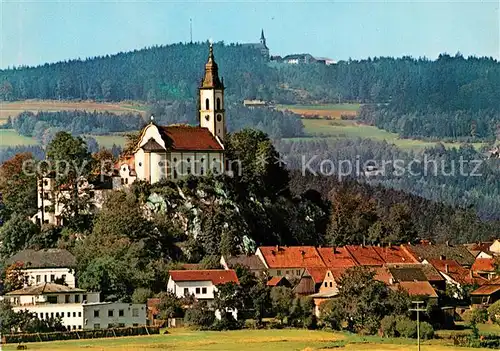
{"points": [[174, 71], [433, 124], [461, 177]]}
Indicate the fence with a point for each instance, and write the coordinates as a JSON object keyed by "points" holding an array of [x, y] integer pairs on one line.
{"points": [[80, 334]]}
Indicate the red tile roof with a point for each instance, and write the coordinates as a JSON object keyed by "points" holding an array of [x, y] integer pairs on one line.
{"points": [[456, 272], [189, 138], [382, 274], [274, 281], [336, 257], [291, 257], [365, 255], [395, 254], [486, 289], [484, 265], [216, 276], [338, 272], [317, 273], [418, 288]]}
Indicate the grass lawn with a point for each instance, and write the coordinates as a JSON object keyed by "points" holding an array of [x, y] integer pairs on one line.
{"points": [[331, 111], [262, 340], [338, 129], [9, 137]]}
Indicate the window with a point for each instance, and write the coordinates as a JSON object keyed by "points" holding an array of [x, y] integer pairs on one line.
{"points": [[84, 297], [111, 313], [207, 104], [79, 327], [123, 181], [326, 284], [51, 314], [45, 278], [287, 272], [46, 196], [74, 327], [135, 312], [52, 278], [278, 273], [63, 277], [126, 180], [62, 314], [140, 164], [218, 103], [203, 290], [97, 326], [175, 174], [79, 314], [47, 315], [202, 170], [207, 117], [297, 272], [121, 313], [186, 291], [74, 315], [77, 298], [96, 313], [66, 298], [135, 324], [219, 118], [52, 299], [331, 284], [197, 290], [121, 325], [38, 278], [45, 182]]}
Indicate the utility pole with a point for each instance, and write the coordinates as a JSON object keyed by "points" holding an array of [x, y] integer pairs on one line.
{"points": [[418, 310]]}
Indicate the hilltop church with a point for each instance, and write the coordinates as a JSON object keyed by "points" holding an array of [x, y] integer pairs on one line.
{"points": [[162, 152], [175, 151]]}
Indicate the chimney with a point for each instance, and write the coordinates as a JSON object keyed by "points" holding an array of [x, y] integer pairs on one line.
{"points": [[334, 250], [447, 268], [447, 243]]}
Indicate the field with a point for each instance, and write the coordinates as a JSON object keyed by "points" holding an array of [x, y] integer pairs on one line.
{"points": [[12, 109], [330, 127], [332, 111], [242, 340]]}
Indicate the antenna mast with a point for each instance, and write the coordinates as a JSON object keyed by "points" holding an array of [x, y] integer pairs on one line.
{"points": [[191, 30]]}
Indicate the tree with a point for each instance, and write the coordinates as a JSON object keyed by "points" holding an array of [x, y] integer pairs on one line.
{"points": [[256, 162], [281, 298], [72, 163], [170, 306], [227, 297], [332, 314], [363, 299], [16, 234], [261, 299], [18, 186], [14, 277]]}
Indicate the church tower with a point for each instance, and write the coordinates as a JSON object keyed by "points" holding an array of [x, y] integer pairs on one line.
{"points": [[263, 38], [212, 113]]}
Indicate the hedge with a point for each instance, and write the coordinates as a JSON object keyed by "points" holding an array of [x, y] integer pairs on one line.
{"points": [[79, 334]]}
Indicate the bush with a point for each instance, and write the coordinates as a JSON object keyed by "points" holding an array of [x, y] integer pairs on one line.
{"points": [[388, 326], [426, 331], [476, 315], [494, 312], [199, 316], [311, 322], [332, 314], [227, 322], [406, 327], [141, 295], [275, 324]]}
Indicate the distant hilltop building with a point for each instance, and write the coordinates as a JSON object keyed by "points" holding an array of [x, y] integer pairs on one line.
{"points": [[296, 59], [261, 46]]}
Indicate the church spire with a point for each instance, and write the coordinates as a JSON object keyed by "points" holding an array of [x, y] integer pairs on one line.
{"points": [[262, 38], [211, 79]]}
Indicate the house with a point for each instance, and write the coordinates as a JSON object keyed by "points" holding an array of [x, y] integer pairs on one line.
{"points": [[311, 281], [365, 255], [77, 308], [336, 257], [296, 59], [46, 266], [52, 198], [487, 294], [485, 267], [261, 46], [202, 284], [252, 262], [455, 274], [254, 103], [417, 289], [289, 261], [394, 254], [418, 272], [278, 281], [161, 152], [426, 250]]}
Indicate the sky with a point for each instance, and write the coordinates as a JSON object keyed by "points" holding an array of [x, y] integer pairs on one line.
{"points": [[35, 32]]}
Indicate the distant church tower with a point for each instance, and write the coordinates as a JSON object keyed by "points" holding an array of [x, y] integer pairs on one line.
{"points": [[263, 38], [212, 113]]}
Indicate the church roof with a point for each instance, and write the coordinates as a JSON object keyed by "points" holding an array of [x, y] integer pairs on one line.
{"points": [[189, 138], [211, 78], [152, 146]]}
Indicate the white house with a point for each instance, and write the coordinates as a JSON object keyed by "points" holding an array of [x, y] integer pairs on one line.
{"points": [[46, 266], [77, 308], [202, 284]]}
